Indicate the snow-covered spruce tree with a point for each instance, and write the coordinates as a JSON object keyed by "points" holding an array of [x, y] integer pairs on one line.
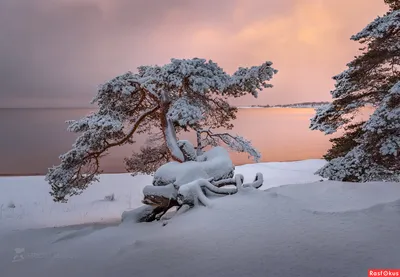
{"points": [[371, 78], [163, 101]]}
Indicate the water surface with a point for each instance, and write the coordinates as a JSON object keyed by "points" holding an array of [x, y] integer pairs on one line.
{"points": [[32, 139]]}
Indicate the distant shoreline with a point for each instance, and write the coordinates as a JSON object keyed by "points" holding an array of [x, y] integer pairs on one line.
{"points": [[295, 105], [48, 108]]}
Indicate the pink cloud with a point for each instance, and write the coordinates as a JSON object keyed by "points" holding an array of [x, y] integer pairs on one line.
{"points": [[71, 46]]}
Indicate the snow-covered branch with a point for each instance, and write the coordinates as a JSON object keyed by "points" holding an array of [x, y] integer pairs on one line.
{"points": [[235, 143], [251, 80], [377, 154], [380, 26], [80, 166]]}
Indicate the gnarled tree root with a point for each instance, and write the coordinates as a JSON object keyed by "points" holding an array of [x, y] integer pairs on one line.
{"points": [[194, 193]]}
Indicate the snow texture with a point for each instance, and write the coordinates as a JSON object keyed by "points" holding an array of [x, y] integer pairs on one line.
{"points": [[167, 191], [192, 193], [215, 163], [355, 166], [319, 122], [384, 116], [188, 150], [201, 76], [253, 79], [304, 228], [387, 119], [258, 182], [184, 112], [380, 26], [345, 85], [171, 140], [136, 214]]}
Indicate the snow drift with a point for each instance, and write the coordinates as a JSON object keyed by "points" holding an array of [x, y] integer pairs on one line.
{"points": [[307, 228]]}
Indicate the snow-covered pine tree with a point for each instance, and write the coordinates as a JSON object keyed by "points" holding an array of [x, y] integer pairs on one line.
{"points": [[161, 101], [377, 153], [368, 150], [393, 4]]}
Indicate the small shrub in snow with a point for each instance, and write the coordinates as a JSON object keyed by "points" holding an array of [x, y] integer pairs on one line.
{"points": [[110, 197]]}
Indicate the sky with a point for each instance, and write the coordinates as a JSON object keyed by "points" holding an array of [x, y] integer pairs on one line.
{"points": [[54, 53]]}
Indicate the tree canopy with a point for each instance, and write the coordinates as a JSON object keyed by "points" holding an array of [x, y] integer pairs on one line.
{"points": [[184, 95], [362, 153]]}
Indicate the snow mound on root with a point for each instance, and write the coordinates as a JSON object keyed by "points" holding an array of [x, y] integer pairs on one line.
{"points": [[214, 163], [167, 191]]}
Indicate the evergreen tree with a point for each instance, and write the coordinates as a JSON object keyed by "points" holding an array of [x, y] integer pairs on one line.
{"points": [[160, 101], [367, 150]]}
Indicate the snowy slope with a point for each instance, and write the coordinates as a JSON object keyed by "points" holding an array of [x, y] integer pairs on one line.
{"points": [[34, 207], [309, 228]]}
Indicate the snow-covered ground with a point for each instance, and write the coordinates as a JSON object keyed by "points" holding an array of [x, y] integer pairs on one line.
{"points": [[298, 226]]}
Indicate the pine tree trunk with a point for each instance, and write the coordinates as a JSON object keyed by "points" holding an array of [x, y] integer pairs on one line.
{"points": [[199, 149], [169, 133]]}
